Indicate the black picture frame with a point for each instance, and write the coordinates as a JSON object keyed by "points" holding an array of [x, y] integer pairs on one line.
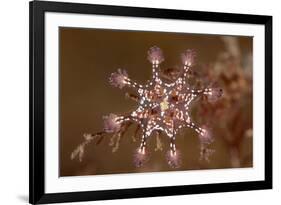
{"points": [[37, 194]]}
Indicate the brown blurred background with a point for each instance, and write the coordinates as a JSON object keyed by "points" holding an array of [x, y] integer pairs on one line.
{"points": [[89, 56]]}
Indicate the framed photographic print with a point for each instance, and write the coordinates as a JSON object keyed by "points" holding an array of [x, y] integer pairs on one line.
{"points": [[141, 102]]}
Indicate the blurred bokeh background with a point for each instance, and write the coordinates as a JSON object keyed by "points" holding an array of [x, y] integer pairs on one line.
{"points": [[89, 56]]}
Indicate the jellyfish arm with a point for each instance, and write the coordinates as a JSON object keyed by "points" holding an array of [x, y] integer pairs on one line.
{"points": [[141, 155], [120, 79], [173, 155], [188, 59], [155, 57], [205, 139]]}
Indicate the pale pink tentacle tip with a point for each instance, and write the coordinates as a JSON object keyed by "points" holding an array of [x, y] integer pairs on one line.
{"points": [[111, 125], [155, 55], [188, 57], [118, 79], [173, 159]]}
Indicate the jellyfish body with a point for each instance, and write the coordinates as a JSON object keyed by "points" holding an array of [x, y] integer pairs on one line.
{"points": [[162, 107]]}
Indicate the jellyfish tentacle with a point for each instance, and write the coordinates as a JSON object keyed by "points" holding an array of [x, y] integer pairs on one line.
{"points": [[213, 94], [141, 155], [205, 139], [173, 157], [155, 57], [188, 59], [132, 84], [120, 79], [143, 143]]}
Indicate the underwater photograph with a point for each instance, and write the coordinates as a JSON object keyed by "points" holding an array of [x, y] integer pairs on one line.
{"points": [[143, 101]]}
